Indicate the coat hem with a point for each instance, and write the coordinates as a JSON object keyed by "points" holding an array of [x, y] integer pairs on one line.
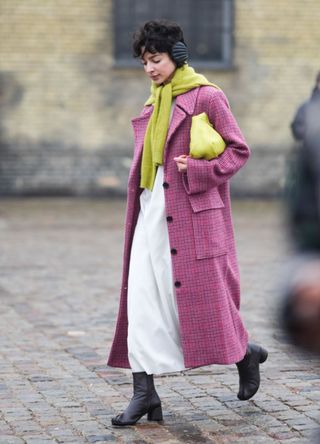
{"points": [[189, 365], [116, 365]]}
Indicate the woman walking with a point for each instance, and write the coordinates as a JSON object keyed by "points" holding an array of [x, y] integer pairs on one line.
{"points": [[180, 295]]}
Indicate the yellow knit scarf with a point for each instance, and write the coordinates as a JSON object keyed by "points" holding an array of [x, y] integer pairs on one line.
{"points": [[184, 79]]}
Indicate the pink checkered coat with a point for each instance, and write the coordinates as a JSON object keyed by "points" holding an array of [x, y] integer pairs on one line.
{"points": [[200, 228]]}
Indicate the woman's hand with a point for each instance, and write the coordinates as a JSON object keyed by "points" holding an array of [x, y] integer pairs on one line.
{"points": [[181, 162]]}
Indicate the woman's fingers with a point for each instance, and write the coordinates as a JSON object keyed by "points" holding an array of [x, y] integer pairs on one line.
{"points": [[181, 162]]}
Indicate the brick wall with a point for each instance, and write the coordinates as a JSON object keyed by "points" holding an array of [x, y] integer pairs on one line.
{"points": [[65, 110]]}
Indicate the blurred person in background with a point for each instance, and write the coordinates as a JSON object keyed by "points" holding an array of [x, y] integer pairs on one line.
{"points": [[180, 295], [306, 118], [301, 308]]}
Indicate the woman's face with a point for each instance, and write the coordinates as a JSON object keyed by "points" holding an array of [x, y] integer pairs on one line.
{"points": [[158, 66]]}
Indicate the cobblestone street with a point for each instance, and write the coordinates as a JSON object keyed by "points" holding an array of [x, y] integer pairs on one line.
{"points": [[60, 267]]}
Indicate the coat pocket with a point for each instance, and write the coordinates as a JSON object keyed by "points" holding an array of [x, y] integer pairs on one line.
{"points": [[208, 224]]}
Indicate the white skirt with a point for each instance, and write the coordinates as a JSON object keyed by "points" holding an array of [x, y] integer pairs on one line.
{"points": [[153, 332]]}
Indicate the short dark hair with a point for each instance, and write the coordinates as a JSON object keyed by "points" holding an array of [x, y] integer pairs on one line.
{"points": [[157, 36]]}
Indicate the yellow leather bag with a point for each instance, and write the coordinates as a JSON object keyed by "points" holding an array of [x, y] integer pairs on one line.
{"points": [[205, 141]]}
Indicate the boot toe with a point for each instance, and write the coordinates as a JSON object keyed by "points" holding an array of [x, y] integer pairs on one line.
{"points": [[247, 393], [240, 395], [118, 420]]}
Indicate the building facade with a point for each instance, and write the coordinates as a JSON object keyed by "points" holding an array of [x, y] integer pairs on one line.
{"points": [[68, 86]]}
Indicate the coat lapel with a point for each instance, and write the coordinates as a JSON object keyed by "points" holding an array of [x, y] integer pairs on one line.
{"points": [[177, 118], [139, 128], [140, 125], [185, 105], [187, 101]]}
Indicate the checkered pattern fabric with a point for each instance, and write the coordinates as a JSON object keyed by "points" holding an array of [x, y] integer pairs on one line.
{"points": [[205, 268]]}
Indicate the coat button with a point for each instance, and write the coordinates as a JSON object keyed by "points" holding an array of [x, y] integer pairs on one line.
{"points": [[165, 185], [169, 219], [173, 251], [177, 284]]}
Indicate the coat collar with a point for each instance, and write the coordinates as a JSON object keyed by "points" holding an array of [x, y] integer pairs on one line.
{"points": [[187, 101]]}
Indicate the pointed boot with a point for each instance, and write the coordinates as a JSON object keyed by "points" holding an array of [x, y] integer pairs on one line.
{"points": [[145, 400], [249, 371]]}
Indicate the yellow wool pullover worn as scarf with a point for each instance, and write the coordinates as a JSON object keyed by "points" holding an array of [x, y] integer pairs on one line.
{"points": [[184, 79]]}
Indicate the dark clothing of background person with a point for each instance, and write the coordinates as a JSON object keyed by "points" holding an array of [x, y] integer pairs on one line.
{"points": [[303, 198], [300, 314], [304, 194], [306, 120]]}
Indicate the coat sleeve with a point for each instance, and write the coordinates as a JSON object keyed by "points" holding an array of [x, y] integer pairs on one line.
{"points": [[203, 174]]}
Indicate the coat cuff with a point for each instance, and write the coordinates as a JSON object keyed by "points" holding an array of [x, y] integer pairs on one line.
{"points": [[195, 180]]}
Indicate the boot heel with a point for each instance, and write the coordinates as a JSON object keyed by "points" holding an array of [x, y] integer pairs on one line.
{"points": [[263, 355], [155, 414]]}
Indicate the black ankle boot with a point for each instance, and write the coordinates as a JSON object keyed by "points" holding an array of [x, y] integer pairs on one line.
{"points": [[145, 400], [249, 372]]}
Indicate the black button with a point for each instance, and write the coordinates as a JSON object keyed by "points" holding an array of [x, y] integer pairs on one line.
{"points": [[165, 185], [169, 219], [177, 284], [173, 251]]}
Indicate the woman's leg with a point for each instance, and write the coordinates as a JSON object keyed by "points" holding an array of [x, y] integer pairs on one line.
{"points": [[249, 371], [145, 400], [153, 326]]}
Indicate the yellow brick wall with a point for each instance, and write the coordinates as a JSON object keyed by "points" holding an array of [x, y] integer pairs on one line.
{"points": [[58, 55], [277, 58], [57, 51]]}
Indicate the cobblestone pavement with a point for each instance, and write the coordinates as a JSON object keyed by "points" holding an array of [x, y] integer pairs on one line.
{"points": [[60, 267]]}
